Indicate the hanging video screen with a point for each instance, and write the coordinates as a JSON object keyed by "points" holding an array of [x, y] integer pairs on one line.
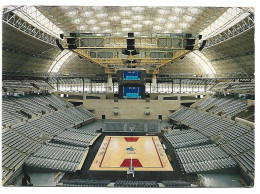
{"points": [[132, 75], [132, 92]]}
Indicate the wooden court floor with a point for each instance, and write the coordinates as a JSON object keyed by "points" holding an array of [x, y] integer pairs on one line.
{"points": [[147, 153]]}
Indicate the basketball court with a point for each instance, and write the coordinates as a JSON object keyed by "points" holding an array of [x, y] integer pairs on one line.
{"points": [[146, 153]]}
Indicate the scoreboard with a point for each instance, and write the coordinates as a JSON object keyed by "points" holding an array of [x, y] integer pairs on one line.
{"points": [[131, 83]]}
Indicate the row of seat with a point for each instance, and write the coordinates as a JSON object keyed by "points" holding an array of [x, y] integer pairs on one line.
{"points": [[248, 86], [64, 146], [46, 126], [210, 165], [82, 131], [182, 113], [206, 121], [232, 133], [192, 137], [72, 137], [241, 144], [59, 153], [23, 108], [86, 182], [228, 106], [200, 154], [216, 127], [176, 183], [70, 142], [11, 158], [19, 142], [28, 130], [132, 183], [247, 159], [58, 165], [22, 84], [8, 119]]}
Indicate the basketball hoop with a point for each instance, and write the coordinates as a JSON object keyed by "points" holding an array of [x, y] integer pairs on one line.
{"points": [[131, 128], [131, 131], [131, 168]]}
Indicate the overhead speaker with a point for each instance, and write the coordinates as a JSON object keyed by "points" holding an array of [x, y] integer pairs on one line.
{"points": [[190, 44], [71, 40], [182, 57], [130, 44], [200, 37], [131, 34], [61, 36], [59, 45], [71, 43], [80, 57], [203, 44], [188, 35]]}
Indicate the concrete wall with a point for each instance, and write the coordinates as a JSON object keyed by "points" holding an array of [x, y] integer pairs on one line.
{"points": [[131, 109]]}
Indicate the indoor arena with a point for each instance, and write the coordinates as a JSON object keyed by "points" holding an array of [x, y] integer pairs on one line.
{"points": [[128, 96]]}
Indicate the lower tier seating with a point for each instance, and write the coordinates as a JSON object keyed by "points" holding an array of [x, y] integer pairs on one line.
{"points": [[28, 121], [85, 183], [185, 138], [204, 158], [175, 183], [11, 158], [130, 183], [57, 157], [72, 137]]}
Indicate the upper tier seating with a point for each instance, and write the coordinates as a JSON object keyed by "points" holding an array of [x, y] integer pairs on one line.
{"points": [[30, 106], [25, 85], [234, 87], [247, 86], [227, 106]]}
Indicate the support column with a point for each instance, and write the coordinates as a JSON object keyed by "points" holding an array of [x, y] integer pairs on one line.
{"points": [[109, 83], [154, 84]]}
